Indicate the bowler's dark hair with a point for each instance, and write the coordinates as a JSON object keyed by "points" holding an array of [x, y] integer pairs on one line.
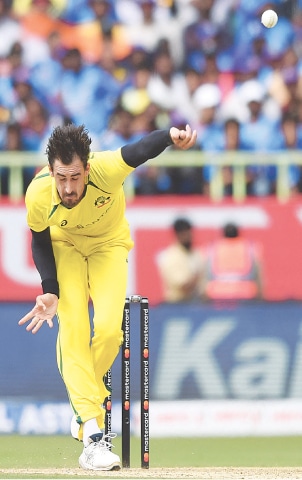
{"points": [[67, 141]]}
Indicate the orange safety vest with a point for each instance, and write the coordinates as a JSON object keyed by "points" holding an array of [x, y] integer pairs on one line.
{"points": [[231, 270]]}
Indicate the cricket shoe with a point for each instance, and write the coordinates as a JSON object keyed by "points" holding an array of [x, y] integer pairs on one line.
{"points": [[97, 455]]}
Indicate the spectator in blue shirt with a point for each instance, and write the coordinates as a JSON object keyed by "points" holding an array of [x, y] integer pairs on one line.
{"points": [[119, 131], [210, 129], [44, 76], [260, 134], [88, 92]]}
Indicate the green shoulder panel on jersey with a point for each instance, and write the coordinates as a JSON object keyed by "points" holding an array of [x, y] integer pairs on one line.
{"points": [[98, 188], [53, 210], [41, 176]]}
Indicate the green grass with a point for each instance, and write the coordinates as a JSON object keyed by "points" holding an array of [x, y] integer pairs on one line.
{"points": [[63, 452]]}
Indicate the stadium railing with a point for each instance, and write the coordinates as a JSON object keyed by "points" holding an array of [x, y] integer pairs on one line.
{"points": [[238, 160]]}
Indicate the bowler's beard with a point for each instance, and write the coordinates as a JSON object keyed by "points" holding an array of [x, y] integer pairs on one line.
{"points": [[71, 200]]}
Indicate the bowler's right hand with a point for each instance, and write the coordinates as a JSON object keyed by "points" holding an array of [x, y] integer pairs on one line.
{"points": [[44, 311]]}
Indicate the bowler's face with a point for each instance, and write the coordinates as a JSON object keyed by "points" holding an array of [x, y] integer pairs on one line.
{"points": [[70, 181]]}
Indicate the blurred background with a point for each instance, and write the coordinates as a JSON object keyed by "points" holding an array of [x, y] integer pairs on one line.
{"points": [[225, 336]]}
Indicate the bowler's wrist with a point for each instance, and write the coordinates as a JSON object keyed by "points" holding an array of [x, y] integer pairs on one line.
{"points": [[51, 285]]}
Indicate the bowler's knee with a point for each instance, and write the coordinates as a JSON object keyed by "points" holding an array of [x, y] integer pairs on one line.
{"points": [[109, 336]]}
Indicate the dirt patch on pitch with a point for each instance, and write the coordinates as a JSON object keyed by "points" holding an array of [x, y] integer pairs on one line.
{"points": [[159, 473]]}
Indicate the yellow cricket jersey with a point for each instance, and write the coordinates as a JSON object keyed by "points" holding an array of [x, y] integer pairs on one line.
{"points": [[100, 213]]}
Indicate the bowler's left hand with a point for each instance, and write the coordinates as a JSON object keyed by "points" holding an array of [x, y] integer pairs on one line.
{"points": [[44, 311]]}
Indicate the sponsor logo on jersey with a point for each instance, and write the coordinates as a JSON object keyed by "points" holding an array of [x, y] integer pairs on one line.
{"points": [[101, 201]]}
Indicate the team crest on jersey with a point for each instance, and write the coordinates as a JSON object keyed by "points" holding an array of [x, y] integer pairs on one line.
{"points": [[101, 201]]}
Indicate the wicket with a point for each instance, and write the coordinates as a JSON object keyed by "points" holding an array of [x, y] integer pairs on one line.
{"points": [[144, 383]]}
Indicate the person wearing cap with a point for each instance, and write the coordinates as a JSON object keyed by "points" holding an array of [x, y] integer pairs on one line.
{"points": [[259, 133], [181, 265], [207, 99], [210, 128]]}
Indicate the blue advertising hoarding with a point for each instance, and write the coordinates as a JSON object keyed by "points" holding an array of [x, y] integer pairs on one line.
{"points": [[246, 351]]}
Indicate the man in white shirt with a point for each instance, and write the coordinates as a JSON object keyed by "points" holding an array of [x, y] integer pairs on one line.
{"points": [[181, 266]]}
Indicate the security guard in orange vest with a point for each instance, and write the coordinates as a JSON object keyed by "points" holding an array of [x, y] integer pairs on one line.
{"points": [[233, 269]]}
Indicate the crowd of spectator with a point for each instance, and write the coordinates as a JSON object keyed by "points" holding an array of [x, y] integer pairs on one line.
{"points": [[128, 67]]}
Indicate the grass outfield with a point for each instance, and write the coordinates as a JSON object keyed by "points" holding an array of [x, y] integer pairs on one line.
{"points": [[63, 452]]}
